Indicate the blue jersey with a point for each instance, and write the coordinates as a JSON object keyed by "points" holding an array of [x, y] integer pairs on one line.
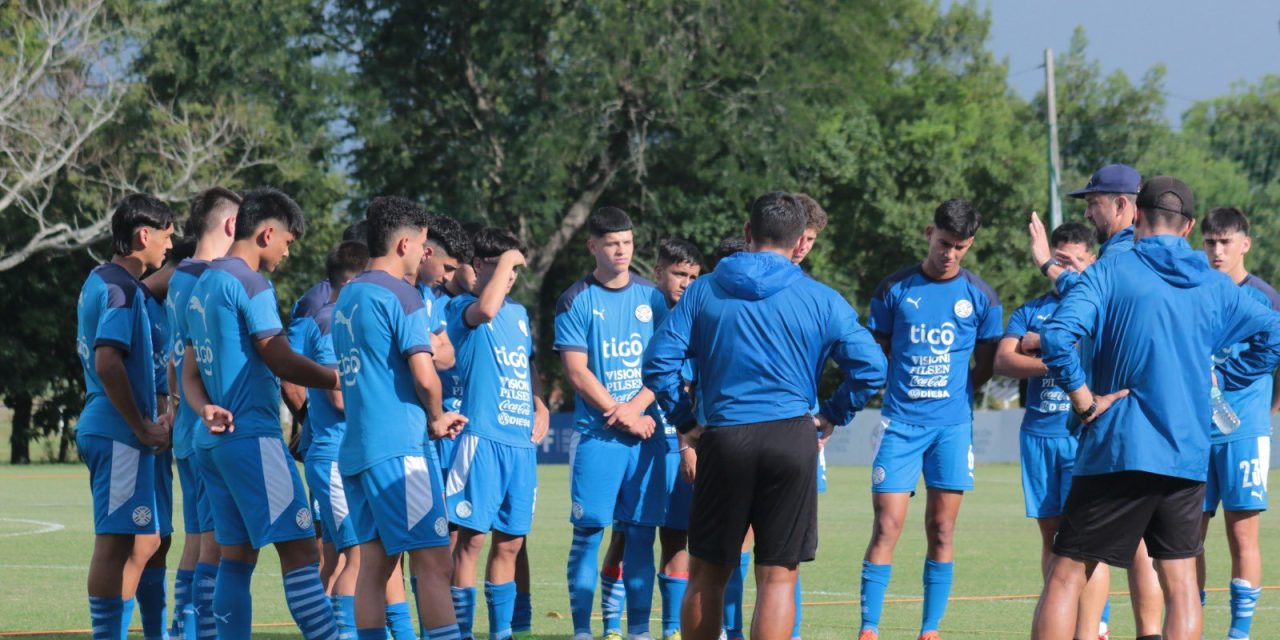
{"points": [[112, 312], [613, 327], [450, 379], [230, 309], [1047, 404], [933, 326], [160, 341], [1252, 404], [379, 322], [175, 304], [311, 301], [310, 336], [497, 387]]}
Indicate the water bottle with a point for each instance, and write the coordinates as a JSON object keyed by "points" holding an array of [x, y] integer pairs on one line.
{"points": [[1224, 417]]}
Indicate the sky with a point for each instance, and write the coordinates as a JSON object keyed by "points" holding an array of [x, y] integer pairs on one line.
{"points": [[1205, 45]]}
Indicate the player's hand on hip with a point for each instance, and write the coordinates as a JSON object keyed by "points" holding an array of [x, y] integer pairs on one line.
{"points": [[217, 419], [154, 435], [825, 429], [448, 425]]}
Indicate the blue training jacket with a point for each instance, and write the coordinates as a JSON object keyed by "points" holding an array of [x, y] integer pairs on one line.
{"points": [[759, 333], [1156, 315]]}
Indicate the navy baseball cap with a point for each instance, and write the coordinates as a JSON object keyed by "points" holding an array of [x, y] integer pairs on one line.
{"points": [[1113, 178]]}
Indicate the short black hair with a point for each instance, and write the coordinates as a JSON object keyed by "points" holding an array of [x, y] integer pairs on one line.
{"points": [[492, 242], [778, 220], [261, 204], [135, 211], [1223, 220], [345, 260], [181, 250], [205, 203], [607, 220], [676, 250], [388, 215], [729, 246], [957, 217], [1073, 233], [448, 234], [357, 231]]}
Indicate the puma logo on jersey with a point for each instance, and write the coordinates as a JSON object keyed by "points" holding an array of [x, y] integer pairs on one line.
{"points": [[345, 320], [1043, 318], [197, 305], [598, 312], [914, 301], [1256, 494]]}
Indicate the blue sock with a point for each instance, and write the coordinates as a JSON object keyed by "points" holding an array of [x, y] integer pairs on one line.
{"points": [[672, 590], [582, 574], [937, 590], [308, 604], [1202, 598], [1106, 611], [104, 616], [795, 628], [205, 583], [182, 585], [464, 608], [733, 597], [126, 617], [1244, 597], [232, 604], [344, 613], [637, 557], [152, 602], [447, 632], [501, 599], [400, 621], [875, 582], [371, 634], [522, 618], [613, 595]]}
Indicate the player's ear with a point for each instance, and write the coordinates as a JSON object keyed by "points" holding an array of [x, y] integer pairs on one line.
{"points": [[229, 226], [1190, 224], [746, 232], [140, 237], [265, 234]]}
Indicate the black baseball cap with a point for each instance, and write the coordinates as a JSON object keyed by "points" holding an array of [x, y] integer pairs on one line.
{"points": [[1155, 188]]}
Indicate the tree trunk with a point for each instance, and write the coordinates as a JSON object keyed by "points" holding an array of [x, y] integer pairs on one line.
{"points": [[20, 439]]}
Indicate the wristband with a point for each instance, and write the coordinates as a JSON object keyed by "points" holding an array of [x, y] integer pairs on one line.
{"points": [[1044, 268], [1088, 413]]}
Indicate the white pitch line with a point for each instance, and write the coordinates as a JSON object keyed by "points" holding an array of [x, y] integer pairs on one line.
{"points": [[44, 527]]}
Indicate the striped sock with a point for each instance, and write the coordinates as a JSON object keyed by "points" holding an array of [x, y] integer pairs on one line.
{"points": [[447, 632], [638, 558], [613, 593], [875, 582], [308, 603], [152, 603], [371, 634], [522, 619], [181, 601], [582, 574], [1244, 597], [205, 580], [501, 599], [400, 621], [464, 608], [232, 601], [104, 616], [344, 613]]}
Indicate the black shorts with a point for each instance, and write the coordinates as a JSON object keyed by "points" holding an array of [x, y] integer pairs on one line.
{"points": [[1106, 515], [761, 475]]}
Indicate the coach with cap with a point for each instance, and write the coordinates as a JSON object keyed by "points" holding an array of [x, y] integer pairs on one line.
{"points": [[1109, 200], [1155, 314], [758, 332]]}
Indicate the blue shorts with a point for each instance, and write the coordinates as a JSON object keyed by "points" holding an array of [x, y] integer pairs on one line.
{"points": [[1047, 463], [944, 452], [399, 502], [679, 495], [443, 449], [123, 482], [329, 497], [164, 493], [616, 481], [492, 486], [197, 513], [256, 492], [1238, 475]]}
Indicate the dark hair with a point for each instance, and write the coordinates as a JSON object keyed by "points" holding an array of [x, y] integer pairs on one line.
{"points": [[492, 242], [135, 211], [347, 259], [205, 203], [357, 231], [181, 250], [1166, 212], [388, 215], [817, 215], [448, 234], [958, 218], [777, 220], [1221, 220], [268, 203], [729, 246], [675, 250], [608, 220], [1073, 233]]}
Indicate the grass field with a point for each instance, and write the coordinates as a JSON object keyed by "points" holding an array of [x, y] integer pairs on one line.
{"points": [[45, 543]]}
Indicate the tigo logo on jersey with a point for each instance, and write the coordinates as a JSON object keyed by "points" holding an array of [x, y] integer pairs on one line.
{"points": [[963, 309], [517, 360], [142, 516], [939, 340], [349, 366], [82, 348], [628, 350], [644, 313], [303, 518]]}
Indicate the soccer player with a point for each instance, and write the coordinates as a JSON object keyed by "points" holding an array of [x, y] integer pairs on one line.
{"points": [[311, 336], [603, 323], [211, 226], [392, 395], [1047, 445], [931, 319], [1239, 460], [1142, 461], [239, 351], [118, 433], [493, 479], [759, 332]]}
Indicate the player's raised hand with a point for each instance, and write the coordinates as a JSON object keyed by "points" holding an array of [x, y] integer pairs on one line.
{"points": [[1040, 251], [154, 435], [448, 425], [217, 419]]}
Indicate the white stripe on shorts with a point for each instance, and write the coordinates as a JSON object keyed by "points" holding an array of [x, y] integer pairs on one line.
{"points": [[573, 454], [275, 477], [1264, 459], [124, 475], [337, 496], [460, 470], [417, 490]]}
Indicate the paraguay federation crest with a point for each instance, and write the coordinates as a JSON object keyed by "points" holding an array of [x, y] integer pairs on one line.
{"points": [[303, 518], [644, 313], [963, 308], [142, 516]]}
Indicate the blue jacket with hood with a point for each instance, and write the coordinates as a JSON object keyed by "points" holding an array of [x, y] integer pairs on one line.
{"points": [[1156, 315], [759, 333]]}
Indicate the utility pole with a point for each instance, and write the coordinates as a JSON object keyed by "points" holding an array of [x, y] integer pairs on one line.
{"points": [[1055, 161]]}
